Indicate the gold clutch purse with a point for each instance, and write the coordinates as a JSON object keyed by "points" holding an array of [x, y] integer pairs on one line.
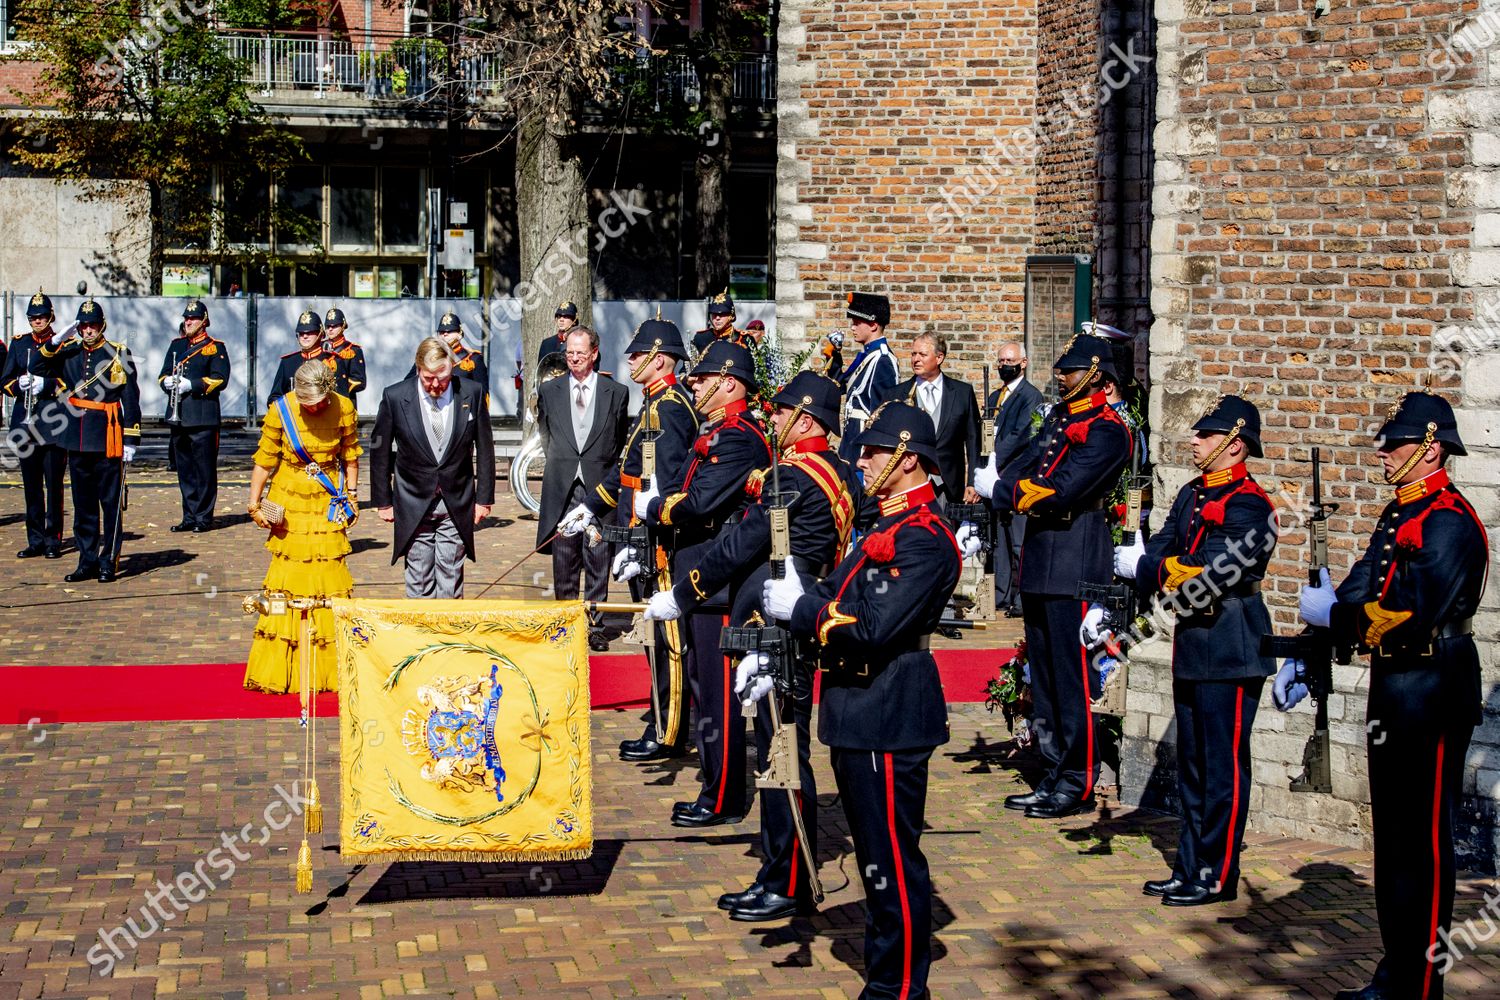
{"points": [[272, 513]]}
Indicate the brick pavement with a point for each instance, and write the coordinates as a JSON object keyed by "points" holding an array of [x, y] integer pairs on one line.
{"points": [[94, 814]]}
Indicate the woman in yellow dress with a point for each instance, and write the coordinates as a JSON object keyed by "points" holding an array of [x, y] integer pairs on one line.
{"points": [[309, 545]]}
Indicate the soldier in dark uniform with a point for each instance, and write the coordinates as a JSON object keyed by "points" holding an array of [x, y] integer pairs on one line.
{"points": [[103, 405], [1060, 482], [32, 379], [667, 417], [196, 370], [871, 376], [1221, 532], [1409, 602], [309, 348], [467, 364], [720, 325], [566, 317], [349, 377], [709, 496], [883, 712], [820, 492]]}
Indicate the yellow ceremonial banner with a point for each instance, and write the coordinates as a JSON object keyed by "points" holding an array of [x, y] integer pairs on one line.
{"points": [[465, 730]]}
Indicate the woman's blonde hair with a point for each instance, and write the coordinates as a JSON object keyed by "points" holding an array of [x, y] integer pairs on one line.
{"points": [[431, 353], [312, 382]]}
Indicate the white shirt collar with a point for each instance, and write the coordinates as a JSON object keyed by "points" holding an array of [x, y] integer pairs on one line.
{"points": [[588, 382]]}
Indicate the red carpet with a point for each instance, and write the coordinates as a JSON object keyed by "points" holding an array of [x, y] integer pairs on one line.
{"points": [[166, 693]]}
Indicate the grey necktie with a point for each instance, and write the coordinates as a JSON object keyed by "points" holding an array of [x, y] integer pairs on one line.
{"points": [[580, 413], [929, 400], [434, 427]]}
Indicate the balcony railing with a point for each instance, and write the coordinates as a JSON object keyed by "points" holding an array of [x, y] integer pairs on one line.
{"points": [[414, 69]]}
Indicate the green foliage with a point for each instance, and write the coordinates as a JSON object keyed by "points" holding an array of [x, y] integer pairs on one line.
{"points": [[154, 100]]}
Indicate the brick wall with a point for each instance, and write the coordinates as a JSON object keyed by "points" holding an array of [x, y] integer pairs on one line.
{"points": [[1319, 183], [903, 165], [1067, 121]]}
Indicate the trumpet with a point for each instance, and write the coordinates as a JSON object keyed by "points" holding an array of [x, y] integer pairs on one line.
{"points": [[174, 395], [28, 401]]}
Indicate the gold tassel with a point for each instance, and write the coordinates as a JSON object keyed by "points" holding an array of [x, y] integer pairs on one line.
{"points": [[314, 817], [304, 867]]}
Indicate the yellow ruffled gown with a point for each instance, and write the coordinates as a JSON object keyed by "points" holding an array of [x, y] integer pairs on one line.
{"points": [[307, 550]]}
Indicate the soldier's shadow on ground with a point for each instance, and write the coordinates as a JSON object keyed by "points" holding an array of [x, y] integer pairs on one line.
{"points": [[1002, 757], [141, 563], [438, 880], [844, 927], [1303, 944], [358, 545]]}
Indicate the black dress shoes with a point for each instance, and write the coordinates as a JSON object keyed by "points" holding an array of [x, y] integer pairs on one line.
{"points": [[597, 641], [54, 552], [644, 749], [30, 552], [730, 900], [698, 816], [1024, 800], [769, 906], [1161, 887], [82, 573], [1057, 805], [1193, 894], [1371, 992], [182, 526], [106, 575]]}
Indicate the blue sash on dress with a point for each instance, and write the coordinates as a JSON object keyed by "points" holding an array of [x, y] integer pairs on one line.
{"points": [[340, 507]]}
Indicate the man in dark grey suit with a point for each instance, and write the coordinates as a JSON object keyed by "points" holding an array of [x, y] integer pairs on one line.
{"points": [[583, 419], [954, 412], [442, 481], [1013, 404]]}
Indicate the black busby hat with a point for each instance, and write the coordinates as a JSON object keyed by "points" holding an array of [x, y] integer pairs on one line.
{"points": [[308, 322], [1236, 417], [870, 307], [895, 423], [814, 394], [449, 323], [1417, 415], [1088, 351], [659, 335], [91, 313], [39, 305], [721, 304], [195, 309], [725, 357], [567, 309], [335, 317]]}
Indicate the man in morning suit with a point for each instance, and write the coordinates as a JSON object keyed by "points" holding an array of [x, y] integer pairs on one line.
{"points": [[583, 418], [1012, 405], [442, 481], [954, 411]]}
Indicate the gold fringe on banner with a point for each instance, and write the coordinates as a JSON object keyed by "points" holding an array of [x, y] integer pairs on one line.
{"points": [[486, 857]]}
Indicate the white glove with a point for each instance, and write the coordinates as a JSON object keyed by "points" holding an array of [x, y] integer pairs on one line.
{"points": [[1091, 632], [780, 596], [65, 334], [642, 500], [662, 607], [129, 453], [750, 682], [1317, 602], [576, 520], [1288, 688], [968, 540], [985, 477], [29, 382], [1128, 557], [182, 383], [627, 564]]}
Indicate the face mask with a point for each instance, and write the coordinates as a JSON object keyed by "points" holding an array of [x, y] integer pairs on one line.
{"points": [[1009, 373]]}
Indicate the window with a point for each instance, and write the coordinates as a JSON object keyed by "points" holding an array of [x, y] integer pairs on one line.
{"points": [[1059, 289], [247, 205], [301, 192], [401, 208], [351, 208]]}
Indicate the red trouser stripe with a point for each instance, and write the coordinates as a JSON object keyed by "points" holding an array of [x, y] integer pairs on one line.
{"points": [[1234, 804], [724, 736], [791, 880], [1437, 865], [1088, 713], [890, 813]]}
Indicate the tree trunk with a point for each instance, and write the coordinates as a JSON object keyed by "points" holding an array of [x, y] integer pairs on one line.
{"points": [[552, 206], [711, 173]]}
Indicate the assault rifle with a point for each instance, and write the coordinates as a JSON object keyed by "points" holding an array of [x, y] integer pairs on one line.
{"points": [[1315, 648], [1119, 600], [638, 536]]}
